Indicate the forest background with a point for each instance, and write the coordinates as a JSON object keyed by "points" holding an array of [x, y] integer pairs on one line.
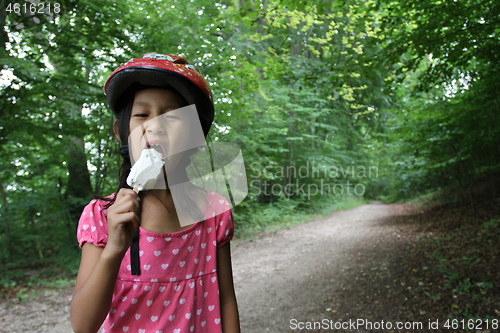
{"points": [[408, 90]]}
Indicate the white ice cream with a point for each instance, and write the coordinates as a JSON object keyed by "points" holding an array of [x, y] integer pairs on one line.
{"points": [[146, 170]]}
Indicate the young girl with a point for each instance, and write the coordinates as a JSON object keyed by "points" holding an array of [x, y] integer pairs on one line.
{"points": [[142, 270]]}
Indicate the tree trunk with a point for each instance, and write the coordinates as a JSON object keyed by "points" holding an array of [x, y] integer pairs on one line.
{"points": [[5, 220], [461, 188], [79, 186]]}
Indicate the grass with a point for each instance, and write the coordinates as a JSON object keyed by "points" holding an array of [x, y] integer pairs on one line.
{"points": [[22, 277]]}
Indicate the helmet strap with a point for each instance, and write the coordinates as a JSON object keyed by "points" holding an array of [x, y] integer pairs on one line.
{"points": [[134, 254]]}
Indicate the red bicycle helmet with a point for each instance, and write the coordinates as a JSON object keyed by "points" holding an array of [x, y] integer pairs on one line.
{"points": [[155, 69]]}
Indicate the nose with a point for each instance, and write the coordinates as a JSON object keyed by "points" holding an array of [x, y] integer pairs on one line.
{"points": [[155, 126]]}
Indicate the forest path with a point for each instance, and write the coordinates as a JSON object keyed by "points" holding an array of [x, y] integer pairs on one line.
{"points": [[296, 274], [310, 272]]}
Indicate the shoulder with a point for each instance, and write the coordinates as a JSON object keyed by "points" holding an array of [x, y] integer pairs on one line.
{"points": [[224, 223], [99, 203], [219, 203], [96, 206], [93, 226]]}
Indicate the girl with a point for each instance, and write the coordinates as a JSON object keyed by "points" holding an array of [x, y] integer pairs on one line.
{"points": [[142, 270]]}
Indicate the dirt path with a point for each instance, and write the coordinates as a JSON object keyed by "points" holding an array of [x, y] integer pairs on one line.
{"points": [[302, 273], [340, 268]]}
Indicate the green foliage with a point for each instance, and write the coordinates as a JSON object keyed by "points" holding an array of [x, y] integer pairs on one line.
{"points": [[408, 89], [461, 36]]}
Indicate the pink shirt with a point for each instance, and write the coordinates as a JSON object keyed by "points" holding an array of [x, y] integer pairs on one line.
{"points": [[177, 290]]}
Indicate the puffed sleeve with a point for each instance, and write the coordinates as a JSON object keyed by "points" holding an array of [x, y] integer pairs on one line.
{"points": [[93, 226], [225, 227]]}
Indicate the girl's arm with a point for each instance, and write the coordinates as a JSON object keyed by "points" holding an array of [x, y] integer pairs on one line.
{"points": [[99, 267], [229, 308], [94, 289]]}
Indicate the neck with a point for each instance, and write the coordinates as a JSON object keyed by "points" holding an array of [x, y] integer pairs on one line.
{"points": [[159, 213], [162, 197]]}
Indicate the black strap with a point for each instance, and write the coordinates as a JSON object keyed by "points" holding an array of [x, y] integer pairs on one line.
{"points": [[134, 254]]}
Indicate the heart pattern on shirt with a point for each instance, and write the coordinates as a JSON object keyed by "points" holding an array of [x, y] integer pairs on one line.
{"points": [[152, 253]]}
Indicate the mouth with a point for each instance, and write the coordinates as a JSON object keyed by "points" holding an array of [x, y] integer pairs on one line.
{"points": [[156, 145]]}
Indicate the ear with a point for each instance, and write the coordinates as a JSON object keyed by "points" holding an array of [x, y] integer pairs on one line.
{"points": [[115, 130]]}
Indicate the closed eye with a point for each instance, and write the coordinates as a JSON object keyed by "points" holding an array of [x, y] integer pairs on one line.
{"points": [[142, 115]]}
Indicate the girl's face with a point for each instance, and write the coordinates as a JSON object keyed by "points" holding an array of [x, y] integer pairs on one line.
{"points": [[155, 122]]}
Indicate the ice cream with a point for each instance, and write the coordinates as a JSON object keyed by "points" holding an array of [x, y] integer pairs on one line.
{"points": [[146, 170]]}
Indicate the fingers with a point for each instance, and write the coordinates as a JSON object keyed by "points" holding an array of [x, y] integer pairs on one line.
{"points": [[123, 219], [126, 204], [126, 201], [127, 218], [124, 193]]}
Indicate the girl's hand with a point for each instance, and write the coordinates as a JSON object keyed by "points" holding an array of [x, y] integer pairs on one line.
{"points": [[123, 219]]}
